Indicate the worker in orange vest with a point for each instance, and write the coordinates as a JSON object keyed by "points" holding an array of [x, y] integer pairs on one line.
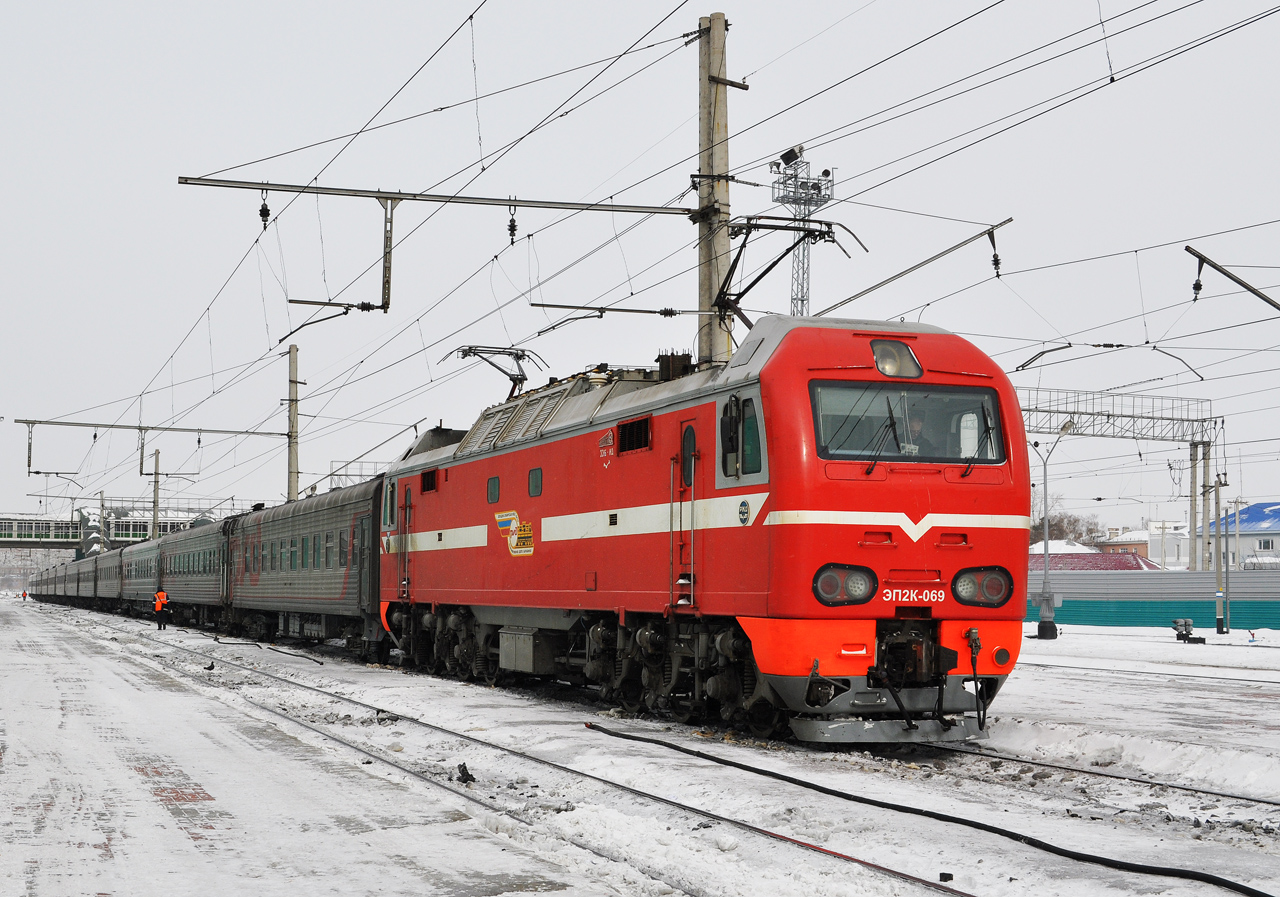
{"points": [[162, 612]]}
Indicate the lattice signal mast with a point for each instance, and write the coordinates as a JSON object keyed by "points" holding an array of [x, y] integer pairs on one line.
{"points": [[803, 195]]}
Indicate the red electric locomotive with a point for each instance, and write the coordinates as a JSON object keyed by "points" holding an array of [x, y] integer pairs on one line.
{"points": [[828, 532]]}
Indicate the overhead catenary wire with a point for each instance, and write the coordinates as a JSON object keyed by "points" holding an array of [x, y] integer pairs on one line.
{"points": [[502, 152]]}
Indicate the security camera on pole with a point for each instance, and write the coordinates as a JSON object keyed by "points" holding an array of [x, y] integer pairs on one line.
{"points": [[1048, 629]]}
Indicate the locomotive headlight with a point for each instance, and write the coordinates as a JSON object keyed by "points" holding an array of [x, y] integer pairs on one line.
{"points": [[895, 358], [982, 586], [857, 586], [827, 585], [839, 584], [965, 587]]}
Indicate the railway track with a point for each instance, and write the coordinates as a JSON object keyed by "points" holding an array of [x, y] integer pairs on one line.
{"points": [[511, 809], [986, 754], [1162, 674], [703, 814]]}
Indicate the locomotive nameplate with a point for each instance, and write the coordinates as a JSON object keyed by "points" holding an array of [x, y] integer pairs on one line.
{"points": [[914, 596]]}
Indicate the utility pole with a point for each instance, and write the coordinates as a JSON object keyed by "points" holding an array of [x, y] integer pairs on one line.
{"points": [[1204, 501], [803, 195], [1220, 544], [155, 495], [1193, 548], [714, 341], [102, 521], [293, 423], [1047, 628]]}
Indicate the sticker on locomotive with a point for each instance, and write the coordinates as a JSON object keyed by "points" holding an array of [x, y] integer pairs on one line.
{"points": [[914, 596], [519, 535]]}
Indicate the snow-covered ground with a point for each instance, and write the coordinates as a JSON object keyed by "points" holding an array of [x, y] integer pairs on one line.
{"points": [[131, 768]]}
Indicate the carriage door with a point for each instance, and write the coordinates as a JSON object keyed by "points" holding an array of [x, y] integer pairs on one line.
{"points": [[684, 470], [361, 559]]}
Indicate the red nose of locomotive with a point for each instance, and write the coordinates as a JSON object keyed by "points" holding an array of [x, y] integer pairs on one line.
{"points": [[899, 531]]}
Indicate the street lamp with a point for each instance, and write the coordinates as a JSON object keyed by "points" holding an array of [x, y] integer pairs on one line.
{"points": [[1048, 629]]}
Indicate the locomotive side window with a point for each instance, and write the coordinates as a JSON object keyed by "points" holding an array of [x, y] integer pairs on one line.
{"points": [[751, 459], [388, 506], [493, 490], [428, 481], [740, 438], [688, 447], [906, 422], [535, 482]]}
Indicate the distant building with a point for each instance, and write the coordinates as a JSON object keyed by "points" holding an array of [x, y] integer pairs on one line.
{"points": [[1133, 541], [1061, 546], [1065, 554], [1168, 543], [1257, 545], [1091, 560]]}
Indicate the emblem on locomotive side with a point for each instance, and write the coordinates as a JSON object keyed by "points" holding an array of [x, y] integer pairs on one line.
{"points": [[519, 535], [606, 447], [744, 513]]}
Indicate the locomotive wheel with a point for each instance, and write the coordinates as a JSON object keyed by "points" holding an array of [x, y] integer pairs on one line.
{"points": [[630, 695], [487, 662], [766, 721], [684, 709]]}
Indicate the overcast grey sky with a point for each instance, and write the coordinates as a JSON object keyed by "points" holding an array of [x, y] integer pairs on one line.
{"points": [[129, 298]]}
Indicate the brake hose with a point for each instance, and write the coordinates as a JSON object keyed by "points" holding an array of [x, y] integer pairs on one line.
{"points": [[975, 645]]}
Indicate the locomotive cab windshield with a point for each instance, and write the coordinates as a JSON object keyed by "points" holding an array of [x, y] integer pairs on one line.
{"points": [[906, 422]]}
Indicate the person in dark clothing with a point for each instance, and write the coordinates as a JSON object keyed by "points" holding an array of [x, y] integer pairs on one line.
{"points": [[162, 610], [917, 437]]}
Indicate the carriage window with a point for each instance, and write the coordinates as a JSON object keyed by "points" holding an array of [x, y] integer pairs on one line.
{"points": [[342, 548], [304, 552], [535, 482], [315, 551], [328, 550], [293, 553], [273, 555], [906, 422], [493, 490]]}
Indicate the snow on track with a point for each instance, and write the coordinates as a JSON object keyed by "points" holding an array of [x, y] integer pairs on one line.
{"points": [[1119, 819]]}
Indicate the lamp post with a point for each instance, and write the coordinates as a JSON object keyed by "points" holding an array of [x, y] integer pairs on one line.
{"points": [[1048, 629]]}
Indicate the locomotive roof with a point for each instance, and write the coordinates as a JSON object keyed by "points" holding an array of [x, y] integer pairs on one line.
{"points": [[576, 403]]}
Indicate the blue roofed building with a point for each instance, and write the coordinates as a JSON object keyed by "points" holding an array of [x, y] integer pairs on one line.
{"points": [[1253, 540]]}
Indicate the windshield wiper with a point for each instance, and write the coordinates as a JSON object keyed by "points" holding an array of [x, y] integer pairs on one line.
{"points": [[986, 437], [888, 427]]}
